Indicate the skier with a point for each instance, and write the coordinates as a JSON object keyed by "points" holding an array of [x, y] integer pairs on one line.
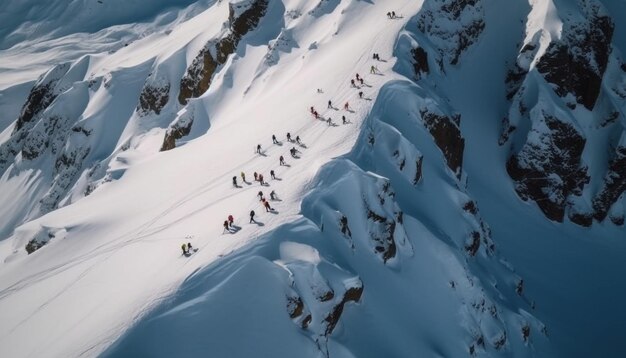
{"points": [[252, 216], [231, 220], [258, 148], [184, 247], [243, 176], [346, 106], [298, 139], [360, 94], [272, 174], [361, 80], [373, 69], [358, 77], [393, 14], [293, 151], [226, 226], [319, 90], [316, 115], [343, 119], [260, 195], [389, 15], [288, 137], [329, 121], [330, 104], [352, 83], [261, 179], [312, 109], [235, 181], [256, 176], [274, 139], [282, 160], [267, 206], [189, 248], [273, 195]]}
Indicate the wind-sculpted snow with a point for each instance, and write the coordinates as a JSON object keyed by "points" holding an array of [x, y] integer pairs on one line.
{"points": [[368, 255]]}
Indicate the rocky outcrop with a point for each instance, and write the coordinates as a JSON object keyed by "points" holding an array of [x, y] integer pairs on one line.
{"points": [[178, 129], [420, 62], [548, 167], [41, 96], [153, 98], [447, 134], [352, 294], [244, 16], [576, 63], [452, 26], [613, 187]]}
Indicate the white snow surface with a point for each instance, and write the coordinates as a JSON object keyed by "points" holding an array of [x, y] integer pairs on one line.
{"points": [[112, 281]]}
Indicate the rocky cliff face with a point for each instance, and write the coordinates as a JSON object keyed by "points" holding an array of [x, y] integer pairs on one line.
{"points": [[547, 126], [244, 16]]}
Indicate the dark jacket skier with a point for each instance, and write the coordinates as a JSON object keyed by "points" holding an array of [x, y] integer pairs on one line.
{"points": [[282, 160], [258, 148], [252, 216], [235, 181], [274, 139], [272, 174]]}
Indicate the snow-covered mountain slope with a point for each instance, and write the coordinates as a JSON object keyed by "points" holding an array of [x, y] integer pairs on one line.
{"points": [[410, 229]]}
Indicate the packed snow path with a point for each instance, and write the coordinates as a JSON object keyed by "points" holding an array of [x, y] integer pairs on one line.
{"points": [[120, 254]]}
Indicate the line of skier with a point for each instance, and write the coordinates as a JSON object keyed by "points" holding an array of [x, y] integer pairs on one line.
{"points": [[358, 82]]}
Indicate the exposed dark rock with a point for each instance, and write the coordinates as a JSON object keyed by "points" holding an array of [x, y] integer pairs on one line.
{"points": [[326, 296], [175, 132], [420, 61], [470, 207], [383, 234], [352, 294], [582, 219], [474, 245], [34, 245], [198, 77], [500, 341], [345, 229], [576, 64], [614, 185], [447, 135], [418, 170], [525, 332], [547, 171], [153, 99], [454, 24], [40, 97], [295, 306]]}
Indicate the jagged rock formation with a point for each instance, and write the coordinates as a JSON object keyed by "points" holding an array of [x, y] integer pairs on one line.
{"points": [[451, 26], [547, 169], [153, 98], [547, 140], [576, 63], [447, 134], [243, 17], [614, 185]]}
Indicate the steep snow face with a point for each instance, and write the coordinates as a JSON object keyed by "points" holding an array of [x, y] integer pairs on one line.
{"points": [[430, 287]]}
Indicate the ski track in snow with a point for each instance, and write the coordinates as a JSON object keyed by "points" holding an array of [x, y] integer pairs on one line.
{"points": [[120, 272]]}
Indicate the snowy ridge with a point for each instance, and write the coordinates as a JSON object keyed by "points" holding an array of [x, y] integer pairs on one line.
{"points": [[414, 227]]}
